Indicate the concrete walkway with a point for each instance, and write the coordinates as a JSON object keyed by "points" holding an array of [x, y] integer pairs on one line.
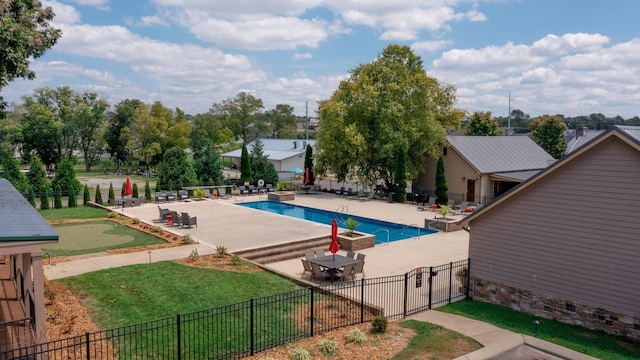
{"points": [[220, 222]]}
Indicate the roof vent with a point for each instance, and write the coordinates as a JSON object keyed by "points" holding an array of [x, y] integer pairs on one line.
{"points": [[295, 145]]}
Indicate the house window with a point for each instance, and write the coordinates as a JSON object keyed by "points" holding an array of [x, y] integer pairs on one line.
{"points": [[444, 150]]}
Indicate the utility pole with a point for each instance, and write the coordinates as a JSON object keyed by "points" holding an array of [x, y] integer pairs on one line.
{"points": [[509, 123], [306, 130]]}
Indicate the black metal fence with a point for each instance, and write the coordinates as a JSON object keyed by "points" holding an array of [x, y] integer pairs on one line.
{"points": [[247, 327]]}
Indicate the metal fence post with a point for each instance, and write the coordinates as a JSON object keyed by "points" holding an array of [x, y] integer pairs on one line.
{"points": [[430, 286], [179, 335], [86, 339], [406, 296], [362, 300], [468, 277], [251, 327], [311, 308], [450, 280]]}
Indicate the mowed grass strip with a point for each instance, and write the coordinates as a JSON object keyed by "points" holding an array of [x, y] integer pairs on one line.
{"points": [[80, 212], [137, 293], [593, 343], [97, 236], [435, 342]]}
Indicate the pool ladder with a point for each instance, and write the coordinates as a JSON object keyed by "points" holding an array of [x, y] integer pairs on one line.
{"points": [[341, 210], [382, 229], [411, 226]]}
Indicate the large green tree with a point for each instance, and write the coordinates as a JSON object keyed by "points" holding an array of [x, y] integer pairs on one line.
{"points": [[41, 135], [547, 131], [65, 177], [208, 165], [37, 176], [481, 124], [25, 34], [143, 135], [115, 136], [174, 168], [88, 118], [280, 122], [207, 133], [239, 115], [385, 105]]}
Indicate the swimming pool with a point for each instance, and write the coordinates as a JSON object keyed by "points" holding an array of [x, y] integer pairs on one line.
{"points": [[367, 225]]}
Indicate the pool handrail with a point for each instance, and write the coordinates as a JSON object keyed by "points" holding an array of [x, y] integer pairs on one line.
{"points": [[383, 229], [412, 225]]}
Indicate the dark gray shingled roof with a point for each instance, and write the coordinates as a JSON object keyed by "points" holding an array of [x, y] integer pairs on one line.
{"points": [[19, 221], [491, 154]]}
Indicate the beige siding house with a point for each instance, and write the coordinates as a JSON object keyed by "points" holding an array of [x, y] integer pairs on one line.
{"points": [[479, 168], [565, 244]]}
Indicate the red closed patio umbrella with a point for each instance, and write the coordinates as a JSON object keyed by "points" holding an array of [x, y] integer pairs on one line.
{"points": [[334, 247], [128, 189]]}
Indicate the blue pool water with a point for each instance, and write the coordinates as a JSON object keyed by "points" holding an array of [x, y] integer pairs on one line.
{"points": [[369, 226]]}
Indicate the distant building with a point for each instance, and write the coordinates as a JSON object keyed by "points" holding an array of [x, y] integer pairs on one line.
{"points": [[286, 155], [479, 168]]}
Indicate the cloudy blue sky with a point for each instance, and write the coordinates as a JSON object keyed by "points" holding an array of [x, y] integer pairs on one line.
{"points": [[562, 56]]}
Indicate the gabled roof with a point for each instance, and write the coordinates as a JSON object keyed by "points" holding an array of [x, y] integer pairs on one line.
{"points": [[578, 141], [20, 221], [277, 149], [628, 134], [492, 154]]}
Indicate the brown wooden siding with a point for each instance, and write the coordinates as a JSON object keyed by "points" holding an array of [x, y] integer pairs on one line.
{"points": [[575, 233]]}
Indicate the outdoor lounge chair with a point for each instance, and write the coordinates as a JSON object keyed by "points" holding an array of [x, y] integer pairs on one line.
{"points": [[306, 268], [171, 196], [160, 197], [183, 194], [341, 191], [270, 188], [189, 220], [461, 209], [474, 210], [368, 197], [222, 193], [356, 196], [429, 205], [208, 194], [252, 190], [243, 190]]}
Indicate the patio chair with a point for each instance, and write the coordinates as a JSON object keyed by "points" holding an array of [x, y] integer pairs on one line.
{"points": [[270, 188], [208, 194], [127, 203], [360, 257], [356, 196], [306, 268], [341, 191], [358, 268], [160, 197], [451, 203], [428, 206], [309, 255], [252, 190], [347, 272], [474, 210], [175, 219], [349, 192], [317, 273], [183, 194], [461, 209], [171, 196], [320, 253], [189, 220], [222, 193], [162, 214], [243, 190], [351, 254], [368, 197], [113, 203], [136, 202]]}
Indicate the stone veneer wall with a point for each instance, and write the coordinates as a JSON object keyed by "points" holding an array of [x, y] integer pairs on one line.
{"points": [[549, 307]]}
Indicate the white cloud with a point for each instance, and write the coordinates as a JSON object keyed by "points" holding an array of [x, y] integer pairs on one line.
{"points": [[558, 45], [300, 56], [63, 13], [100, 4], [430, 46], [147, 21]]}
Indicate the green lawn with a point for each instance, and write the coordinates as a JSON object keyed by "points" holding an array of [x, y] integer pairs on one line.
{"points": [[80, 212], [96, 236], [132, 294], [593, 343]]}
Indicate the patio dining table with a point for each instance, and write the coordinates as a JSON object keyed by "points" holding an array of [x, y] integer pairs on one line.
{"points": [[333, 263]]}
